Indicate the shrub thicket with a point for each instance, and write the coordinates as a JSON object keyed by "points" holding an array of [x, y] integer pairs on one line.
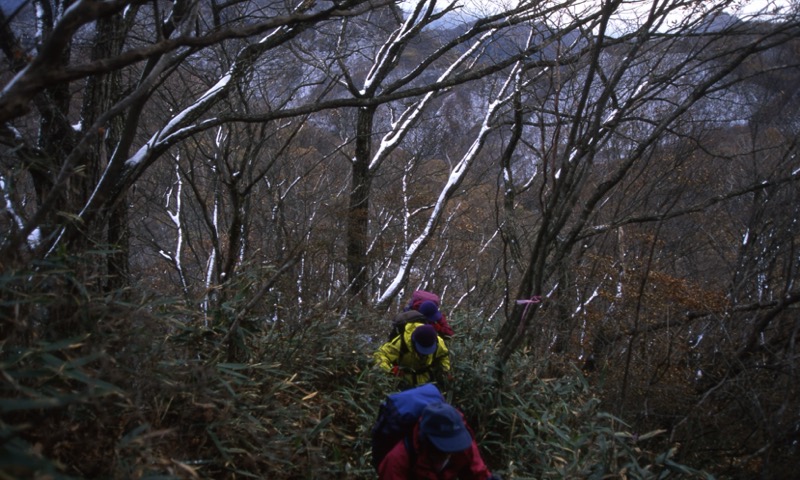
{"points": [[146, 391]]}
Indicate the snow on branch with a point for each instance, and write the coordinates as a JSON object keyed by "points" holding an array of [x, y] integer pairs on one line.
{"points": [[456, 176]]}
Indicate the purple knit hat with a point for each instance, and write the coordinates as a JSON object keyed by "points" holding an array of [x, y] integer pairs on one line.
{"points": [[425, 339], [431, 311]]}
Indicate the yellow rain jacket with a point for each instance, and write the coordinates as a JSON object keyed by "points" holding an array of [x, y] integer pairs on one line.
{"points": [[416, 369]]}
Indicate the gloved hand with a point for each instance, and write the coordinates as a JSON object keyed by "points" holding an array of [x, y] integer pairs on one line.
{"points": [[396, 371]]}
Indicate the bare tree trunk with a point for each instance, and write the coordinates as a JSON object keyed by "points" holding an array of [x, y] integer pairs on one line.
{"points": [[358, 210]]}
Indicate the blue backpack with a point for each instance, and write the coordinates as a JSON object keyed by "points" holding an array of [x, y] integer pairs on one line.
{"points": [[397, 415]]}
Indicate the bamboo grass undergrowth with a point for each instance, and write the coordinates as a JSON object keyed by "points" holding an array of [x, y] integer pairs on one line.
{"points": [[150, 398]]}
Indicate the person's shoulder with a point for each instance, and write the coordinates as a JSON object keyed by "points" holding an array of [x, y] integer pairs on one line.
{"points": [[396, 463], [393, 343], [409, 316], [411, 326]]}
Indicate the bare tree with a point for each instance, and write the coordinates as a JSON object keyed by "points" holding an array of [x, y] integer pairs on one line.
{"points": [[460, 59], [631, 195], [173, 41], [619, 96]]}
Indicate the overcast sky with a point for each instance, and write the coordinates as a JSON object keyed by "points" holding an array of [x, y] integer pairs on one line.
{"points": [[475, 7], [746, 7], [9, 6]]}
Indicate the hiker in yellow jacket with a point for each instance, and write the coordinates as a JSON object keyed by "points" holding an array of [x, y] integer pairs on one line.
{"points": [[416, 356]]}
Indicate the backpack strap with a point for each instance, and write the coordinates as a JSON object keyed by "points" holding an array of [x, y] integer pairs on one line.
{"points": [[403, 345], [412, 454], [400, 321], [404, 349]]}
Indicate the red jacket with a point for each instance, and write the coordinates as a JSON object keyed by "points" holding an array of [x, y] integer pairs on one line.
{"points": [[443, 328], [466, 465]]}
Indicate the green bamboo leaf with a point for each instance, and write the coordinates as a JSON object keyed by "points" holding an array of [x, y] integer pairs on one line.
{"points": [[322, 424], [652, 434], [15, 405], [214, 438]]}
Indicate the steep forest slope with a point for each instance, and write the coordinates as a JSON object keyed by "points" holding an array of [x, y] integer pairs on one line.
{"points": [[213, 210]]}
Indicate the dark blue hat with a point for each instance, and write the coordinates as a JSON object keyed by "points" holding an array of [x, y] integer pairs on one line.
{"points": [[425, 339], [443, 426], [431, 311]]}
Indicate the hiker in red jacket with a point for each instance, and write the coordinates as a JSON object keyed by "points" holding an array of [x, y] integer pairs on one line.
{"points": [[427, 303], [440, 447], [436, 318]]}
